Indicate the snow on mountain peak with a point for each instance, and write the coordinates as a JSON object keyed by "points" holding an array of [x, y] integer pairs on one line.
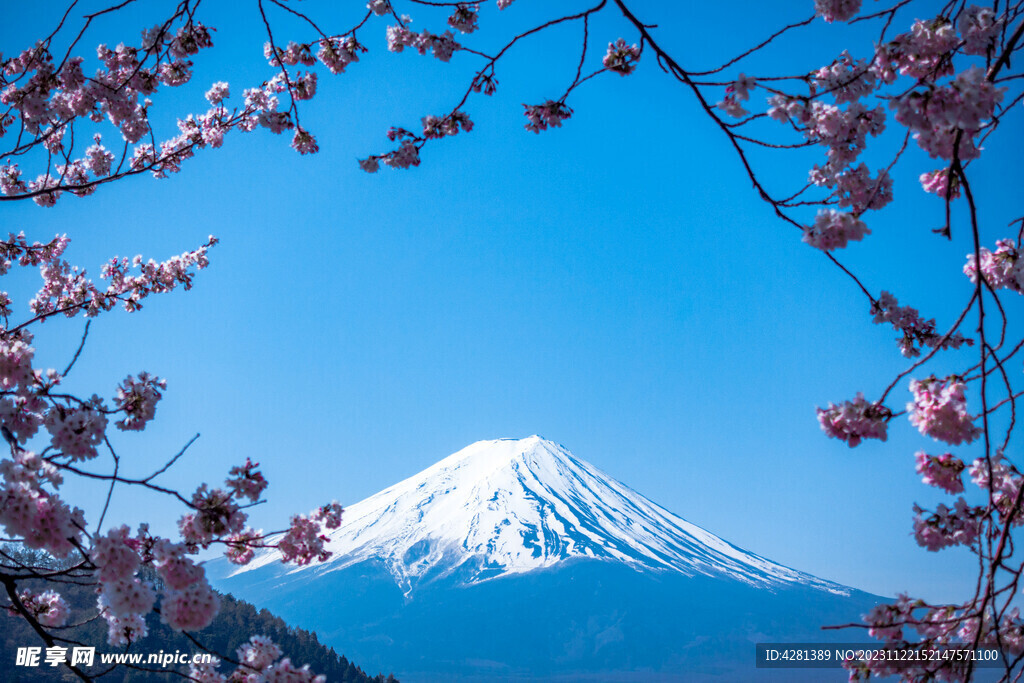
{"points": [[510, 506]]}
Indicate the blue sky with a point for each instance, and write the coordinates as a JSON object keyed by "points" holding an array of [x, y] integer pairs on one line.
{"points": [[614, 285]]}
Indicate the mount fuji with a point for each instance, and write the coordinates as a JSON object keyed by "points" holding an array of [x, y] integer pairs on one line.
{"points": [[516, 560]]}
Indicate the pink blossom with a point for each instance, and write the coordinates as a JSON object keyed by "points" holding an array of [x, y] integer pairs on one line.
{"points": [[48, 607], [886, 621], [947, 526], [856, 189], [76, 432], [942, 471], [258, 653], [1002, 268], [938, 182], [304, 143], [303, 542], [39, 518], [852, 421], [122, 631], [379, 7], [1004, 483], [434, 127], [622, 58], [125, 597], [922, 53], [138, 400], [979, 29], [937, 115], [285, 672], [219, 92], [550, 114], [216, 515], [15, 363], [190, 609], [917, 332], [834, 230], [939, 410], [407, 155], [205, 672], [98, 158], [464, 18], [23, 415], [246, 482], [370, 164], [330, 515], [177, 571], [241, 546], [443, 46], [115, 555], [837, 10], [845, 79], [336, 54]]}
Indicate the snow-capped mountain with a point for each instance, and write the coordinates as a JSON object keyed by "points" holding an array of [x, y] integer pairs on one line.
{"points": [[514, 560], [510, 506]]}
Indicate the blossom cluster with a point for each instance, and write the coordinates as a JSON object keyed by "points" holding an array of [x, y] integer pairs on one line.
{"points": [[30, 508], [443, 46], [735, 94], [66, 289], [853, 421], [621, 57], [547, 115], [464, 18], [259, 659], [941, 183], [304, 541], [1003, 481], [137, 398], [1002, 268], [942, 114], [846, 79], [939, 410], [959, 525], [837, 10], [48, 98], [942, 471], [917, 332], [47, 607], [834, 230], [434, 127]]}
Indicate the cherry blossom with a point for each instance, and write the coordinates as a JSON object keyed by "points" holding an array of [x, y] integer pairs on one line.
{"points": [[622, 58], [834, 230], [942, 471], [48, 607], [917, 332], [1002, 268], [542, 116], [852, 421], [138, 399], [939, 182], [246, 482], [939, 410], [947, 526], [115, 555], [837, 10], [464, 18], [303, 542]]}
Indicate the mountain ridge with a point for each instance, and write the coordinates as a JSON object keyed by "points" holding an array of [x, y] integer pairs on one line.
{"points": [[514, 560], [517, 505]]}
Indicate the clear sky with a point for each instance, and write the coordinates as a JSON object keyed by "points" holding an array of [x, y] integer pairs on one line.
{"points": [[614, 285]]}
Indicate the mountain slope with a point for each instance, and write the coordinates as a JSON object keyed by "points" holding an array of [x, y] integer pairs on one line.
{"points": [[513, 560], [512, 506]]}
